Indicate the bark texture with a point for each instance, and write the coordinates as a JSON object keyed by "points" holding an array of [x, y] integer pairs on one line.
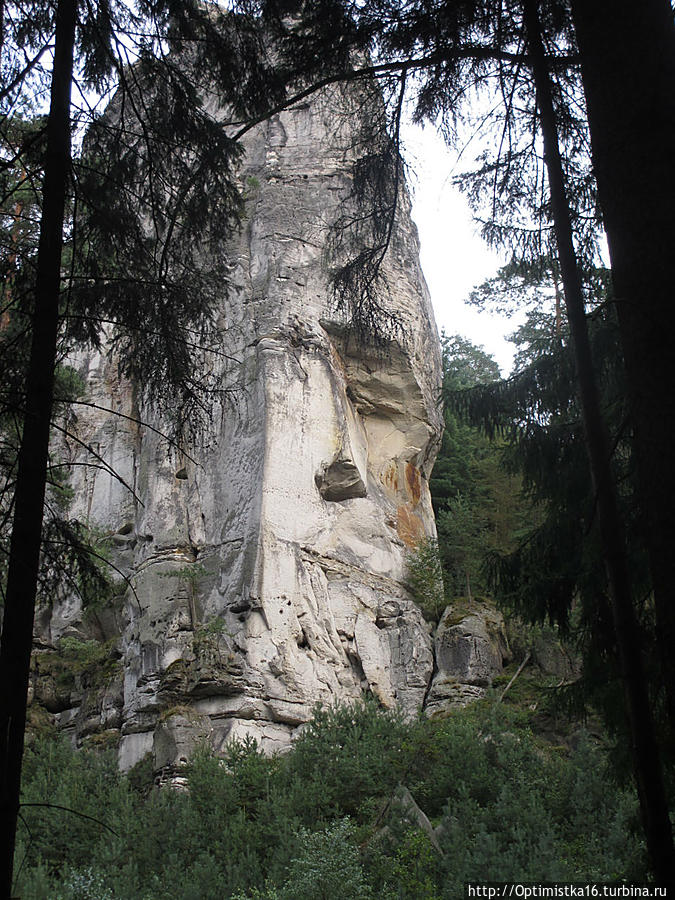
{"points": [[628, 69], [17, 631], [646, 761]]}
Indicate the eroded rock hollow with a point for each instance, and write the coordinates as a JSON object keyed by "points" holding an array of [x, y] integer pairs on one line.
{"points": [[267, 571]]}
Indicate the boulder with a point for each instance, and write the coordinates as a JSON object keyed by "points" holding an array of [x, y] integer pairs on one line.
{"points": [[471, 649]]}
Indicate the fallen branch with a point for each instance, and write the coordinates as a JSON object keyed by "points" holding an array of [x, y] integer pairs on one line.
{"points": [[518, 671]]}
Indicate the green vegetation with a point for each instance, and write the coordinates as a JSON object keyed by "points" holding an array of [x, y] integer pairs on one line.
{"points": [[425, 578], [74, 663], [323, 821], [553, 572], [477, 500]]}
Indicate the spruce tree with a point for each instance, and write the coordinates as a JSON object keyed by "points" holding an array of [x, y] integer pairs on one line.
{"points": [[476, 500], [628, 69], [125, 226]]}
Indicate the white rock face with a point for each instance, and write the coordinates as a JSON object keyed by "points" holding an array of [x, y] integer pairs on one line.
{"points": [[268, 571]]}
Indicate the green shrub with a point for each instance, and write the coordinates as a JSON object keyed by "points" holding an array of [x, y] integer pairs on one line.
{"points": [[318, 822], [95, 662], [85, 884], [346, 757], [425, 578], [327, 867]]}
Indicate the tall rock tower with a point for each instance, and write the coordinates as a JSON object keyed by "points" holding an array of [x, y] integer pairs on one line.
{"points": [[266, 572]]}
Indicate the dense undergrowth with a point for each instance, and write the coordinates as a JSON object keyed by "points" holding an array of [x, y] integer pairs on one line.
{"points": [[330, 819]]}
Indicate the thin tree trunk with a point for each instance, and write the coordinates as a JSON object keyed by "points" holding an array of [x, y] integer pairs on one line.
{"points": [[558, 305], [520, 668], [17, 632], [628, 71], [646, 760]]}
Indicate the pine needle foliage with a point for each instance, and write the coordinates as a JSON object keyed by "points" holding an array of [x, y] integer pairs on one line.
{"points": [[476, 500], [555, 573], [252, 827]]}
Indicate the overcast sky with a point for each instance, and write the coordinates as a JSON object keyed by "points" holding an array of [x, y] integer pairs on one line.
{"points": [[454, 257]]}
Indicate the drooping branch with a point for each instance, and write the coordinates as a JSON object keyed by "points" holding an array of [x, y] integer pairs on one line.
{"points": [[367, 233], [366, 73]]}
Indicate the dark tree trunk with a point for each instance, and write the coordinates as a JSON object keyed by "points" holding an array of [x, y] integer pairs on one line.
{"points": [[646, 760], [628, 70], [17, 631]]}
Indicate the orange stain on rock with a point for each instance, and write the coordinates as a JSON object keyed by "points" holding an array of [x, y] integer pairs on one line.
{"points": [[390, 477], [409, 526], [414, 482]]}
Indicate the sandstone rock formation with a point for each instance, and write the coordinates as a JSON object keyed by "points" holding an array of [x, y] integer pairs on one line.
{"points": [[267, 571], [471, 648]]}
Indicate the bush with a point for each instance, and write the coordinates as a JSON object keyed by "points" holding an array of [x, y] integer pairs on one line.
{"points": [[425, 577], [328, 866], [347, 756], [318, 822]]}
